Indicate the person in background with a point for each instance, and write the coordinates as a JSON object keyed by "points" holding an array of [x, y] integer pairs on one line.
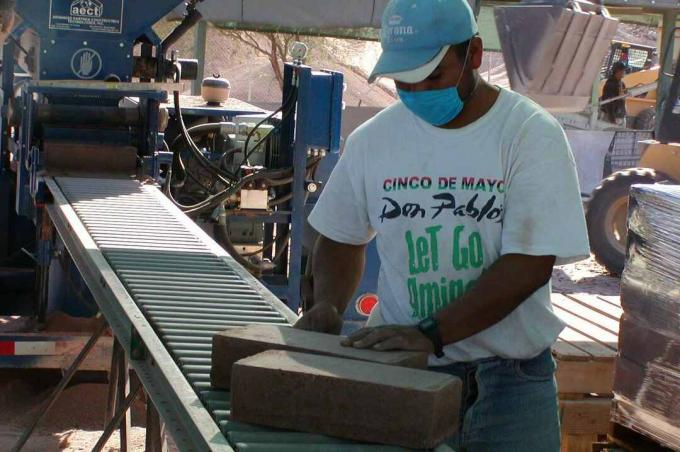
{"points": [[615, 111]]}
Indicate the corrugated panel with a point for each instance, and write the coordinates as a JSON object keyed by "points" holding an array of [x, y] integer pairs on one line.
{"points": [[188, 288]]}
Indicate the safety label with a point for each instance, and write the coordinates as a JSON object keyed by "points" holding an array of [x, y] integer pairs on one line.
{"points": [[86, 63], [100, 16]]}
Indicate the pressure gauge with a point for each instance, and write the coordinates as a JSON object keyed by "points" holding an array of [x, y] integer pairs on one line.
{"points": [[299, 51]]}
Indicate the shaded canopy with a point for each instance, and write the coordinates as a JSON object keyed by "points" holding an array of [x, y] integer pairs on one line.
{"points": [[295, 14]]}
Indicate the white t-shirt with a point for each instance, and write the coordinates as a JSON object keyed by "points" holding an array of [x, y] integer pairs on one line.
{"points": [[446, 204]]}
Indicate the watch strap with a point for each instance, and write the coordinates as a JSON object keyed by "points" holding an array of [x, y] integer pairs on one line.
{"points": [[430, 328]]}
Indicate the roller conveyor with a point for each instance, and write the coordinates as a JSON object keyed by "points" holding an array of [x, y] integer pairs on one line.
{"points": [[166, 287]]}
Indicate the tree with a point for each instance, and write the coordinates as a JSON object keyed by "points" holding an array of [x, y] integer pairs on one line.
{"points": [[273, 45]]}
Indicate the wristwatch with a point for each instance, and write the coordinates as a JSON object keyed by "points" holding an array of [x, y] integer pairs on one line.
{"points": [[430, 328]]}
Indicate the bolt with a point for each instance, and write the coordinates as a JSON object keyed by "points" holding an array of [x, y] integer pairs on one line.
{"points": [[84, 43], [53, 42], [122, 45]]}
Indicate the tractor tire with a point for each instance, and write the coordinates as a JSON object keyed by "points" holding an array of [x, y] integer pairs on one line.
{"points": [[607, 216], [645, 120]]}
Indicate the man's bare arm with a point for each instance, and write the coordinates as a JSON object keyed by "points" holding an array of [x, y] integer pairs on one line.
{"points": [[500, 290], [337, 269]]}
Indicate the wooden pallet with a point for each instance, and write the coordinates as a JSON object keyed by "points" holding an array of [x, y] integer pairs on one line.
{"points": [[621, 438], [585, 353]]}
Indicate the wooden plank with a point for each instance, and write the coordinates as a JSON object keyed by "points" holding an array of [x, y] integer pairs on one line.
{"points": [[585, 417], [565, 350], [612, 299], [597, 350], [578, 443], [597, 303], [631, 440], [587, 313], [585, 377], [589, 329]]}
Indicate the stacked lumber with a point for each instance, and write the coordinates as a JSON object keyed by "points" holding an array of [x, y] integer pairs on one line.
{"points": [[647, 378]]}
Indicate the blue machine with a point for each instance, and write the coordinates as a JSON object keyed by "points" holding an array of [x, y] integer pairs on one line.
{"points": [[86, 128], [94, 39], [87, 105]]}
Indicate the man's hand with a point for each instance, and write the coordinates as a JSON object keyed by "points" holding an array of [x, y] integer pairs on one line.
{"points": [[390, 337], [322, 318]]}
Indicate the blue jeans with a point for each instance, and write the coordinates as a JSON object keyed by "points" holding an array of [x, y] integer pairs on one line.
{"points": [[507, 405]]}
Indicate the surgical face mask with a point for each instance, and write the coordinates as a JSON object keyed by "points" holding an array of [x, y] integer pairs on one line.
{"points": [[437, 106]]}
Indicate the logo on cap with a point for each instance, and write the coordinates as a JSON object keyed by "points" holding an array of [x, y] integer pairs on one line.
{"points": [[397, 30], [395, 20]]}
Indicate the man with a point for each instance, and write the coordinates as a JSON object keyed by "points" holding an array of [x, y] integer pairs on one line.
{"points": [[472, 193], [615, 111]]}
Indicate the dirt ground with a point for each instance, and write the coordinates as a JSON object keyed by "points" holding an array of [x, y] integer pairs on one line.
{"points": [[74, 425], [75, 422], [586, 276]]}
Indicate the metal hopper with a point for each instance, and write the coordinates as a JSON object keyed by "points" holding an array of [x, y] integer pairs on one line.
{"points": [[553, 53]]}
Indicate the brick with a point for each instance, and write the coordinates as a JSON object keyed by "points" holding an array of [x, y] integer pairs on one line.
{"points": [[349, 399], [237, 343]]}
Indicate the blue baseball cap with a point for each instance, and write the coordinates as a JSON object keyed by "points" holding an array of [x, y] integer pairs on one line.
{"points": [[416, 34]]}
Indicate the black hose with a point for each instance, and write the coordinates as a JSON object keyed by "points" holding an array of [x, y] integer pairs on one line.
{"points": [[311, 166], [216, 199], [281, 200], [199, 130], [286, 108], [279, 182], [192, 18], [225, 177]]}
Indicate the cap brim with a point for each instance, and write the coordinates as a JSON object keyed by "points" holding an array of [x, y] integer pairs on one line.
{"points": [[408, 66]]}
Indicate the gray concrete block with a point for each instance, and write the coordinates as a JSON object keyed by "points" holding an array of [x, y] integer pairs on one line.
{"points": [[237, 343], [349, 399]]}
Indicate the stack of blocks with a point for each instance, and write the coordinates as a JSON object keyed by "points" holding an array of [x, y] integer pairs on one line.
{"points": [[647, 378], [305, 381]]}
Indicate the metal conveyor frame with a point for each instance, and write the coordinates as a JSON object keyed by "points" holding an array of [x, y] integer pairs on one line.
{"points": [[187, 419]]}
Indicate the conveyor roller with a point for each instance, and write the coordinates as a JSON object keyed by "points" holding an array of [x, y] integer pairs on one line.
{"points": [[162, 282]]}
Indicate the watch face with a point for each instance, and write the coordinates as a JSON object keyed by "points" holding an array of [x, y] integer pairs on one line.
{"points": [[428, 324]]}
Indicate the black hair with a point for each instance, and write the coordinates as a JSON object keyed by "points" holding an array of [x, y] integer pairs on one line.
{"points": [[618, 66], [461, 49]]}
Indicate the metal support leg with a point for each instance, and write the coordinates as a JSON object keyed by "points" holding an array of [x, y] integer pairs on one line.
{"points": [[155, 430], [44, 242], [123, 390], [26, 434], [119, 389], [113, 382], [5, 208], [121, 412]]}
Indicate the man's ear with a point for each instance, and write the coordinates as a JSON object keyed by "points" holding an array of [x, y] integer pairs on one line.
{"points": [[476, 52]]}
